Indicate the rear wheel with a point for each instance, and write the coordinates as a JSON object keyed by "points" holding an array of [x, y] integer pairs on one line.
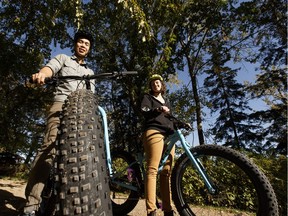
{"points": [[125, 175], [242, 189], [82, 181]]}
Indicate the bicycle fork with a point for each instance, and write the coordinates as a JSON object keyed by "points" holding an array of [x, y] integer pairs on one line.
{"points": [[106, 139], [196, 163], [108, 153]]}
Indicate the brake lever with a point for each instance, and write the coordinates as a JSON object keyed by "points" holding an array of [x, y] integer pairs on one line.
{"points": [[188, 126]]}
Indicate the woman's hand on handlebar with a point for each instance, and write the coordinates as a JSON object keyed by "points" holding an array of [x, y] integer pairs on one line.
{"points": [[163, 109]]}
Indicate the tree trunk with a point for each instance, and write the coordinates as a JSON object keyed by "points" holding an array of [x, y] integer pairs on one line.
{"points": [[197, 103]]}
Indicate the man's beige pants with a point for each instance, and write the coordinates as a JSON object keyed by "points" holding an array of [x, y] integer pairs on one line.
{"points": [[43, 161]]}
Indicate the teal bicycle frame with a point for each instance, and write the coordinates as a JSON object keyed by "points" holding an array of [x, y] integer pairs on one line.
{"points": [[170, 141]]}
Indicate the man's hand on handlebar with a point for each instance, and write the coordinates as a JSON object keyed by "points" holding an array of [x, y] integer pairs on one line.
{"points": [[39, 78]]}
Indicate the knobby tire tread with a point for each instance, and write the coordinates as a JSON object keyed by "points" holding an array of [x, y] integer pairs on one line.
{"points": [[82, 180]]}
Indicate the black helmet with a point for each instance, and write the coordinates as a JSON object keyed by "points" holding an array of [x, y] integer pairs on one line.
{"points": [[85, 35]]}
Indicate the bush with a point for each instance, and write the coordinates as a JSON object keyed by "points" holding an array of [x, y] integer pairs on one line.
{"points": [[275, 168], [12, 165]]}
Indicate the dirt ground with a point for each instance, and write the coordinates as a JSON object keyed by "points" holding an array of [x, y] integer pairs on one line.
{"points": [[12, 199], [11, 196]]}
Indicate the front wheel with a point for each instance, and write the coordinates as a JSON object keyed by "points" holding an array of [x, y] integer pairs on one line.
{"points": [[82, 180], [241, 188]]}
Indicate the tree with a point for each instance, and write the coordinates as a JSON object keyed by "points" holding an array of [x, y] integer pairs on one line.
{"points": [[165, 37], [228, 98], [21, 115], [268, 24], [196, 29], [26, 37]]}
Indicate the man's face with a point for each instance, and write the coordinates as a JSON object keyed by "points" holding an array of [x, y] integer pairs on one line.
{"points": [[82, 47]]}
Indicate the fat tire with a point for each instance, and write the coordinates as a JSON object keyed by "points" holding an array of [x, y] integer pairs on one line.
{"points": [[267, 202], [135, 179], [82, 180]]}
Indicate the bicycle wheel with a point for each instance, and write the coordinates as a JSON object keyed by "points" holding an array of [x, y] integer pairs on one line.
{"points": [[123, 199], [242, 189], [82, 175]]}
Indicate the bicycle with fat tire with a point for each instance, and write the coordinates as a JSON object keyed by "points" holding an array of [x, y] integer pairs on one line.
{"points": [[79, 180], [206, 180]]}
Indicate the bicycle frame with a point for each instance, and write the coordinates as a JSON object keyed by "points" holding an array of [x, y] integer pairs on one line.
{"points": [[107, 148], [106, 139], [170, 142]]}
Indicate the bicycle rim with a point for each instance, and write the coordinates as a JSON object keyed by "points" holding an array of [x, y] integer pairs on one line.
{"points": [[123, 199], [241, 188]]}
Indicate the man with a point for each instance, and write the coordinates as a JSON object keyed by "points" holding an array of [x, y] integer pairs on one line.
{"points": [[61, 65]]}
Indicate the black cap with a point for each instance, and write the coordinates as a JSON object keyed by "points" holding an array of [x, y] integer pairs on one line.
{"points": [[85, 35]]}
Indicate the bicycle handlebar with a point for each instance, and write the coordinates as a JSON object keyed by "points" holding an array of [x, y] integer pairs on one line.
{"points": [[114, 74], [180, 124]]}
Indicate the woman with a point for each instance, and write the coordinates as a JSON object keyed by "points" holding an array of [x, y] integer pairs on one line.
{"points": [[157, 126]]}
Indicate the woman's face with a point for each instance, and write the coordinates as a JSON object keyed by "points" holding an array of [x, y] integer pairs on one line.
{"points": [[156, 86]]}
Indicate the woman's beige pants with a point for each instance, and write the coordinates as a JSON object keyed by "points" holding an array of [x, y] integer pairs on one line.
{"points": [[153, 142]]}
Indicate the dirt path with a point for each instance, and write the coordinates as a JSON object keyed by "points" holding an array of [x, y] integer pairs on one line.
{"points": [[12, 199], [11, 196]]}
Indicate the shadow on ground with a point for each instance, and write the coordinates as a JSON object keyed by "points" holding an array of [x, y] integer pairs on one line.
{"points": [[10, 204]]}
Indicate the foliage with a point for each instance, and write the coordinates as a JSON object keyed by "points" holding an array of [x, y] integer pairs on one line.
{"points": [[275, 168], [272, 87], [192, 38], [267, 23], [224, 177], [184, 109], [21, 114]]}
